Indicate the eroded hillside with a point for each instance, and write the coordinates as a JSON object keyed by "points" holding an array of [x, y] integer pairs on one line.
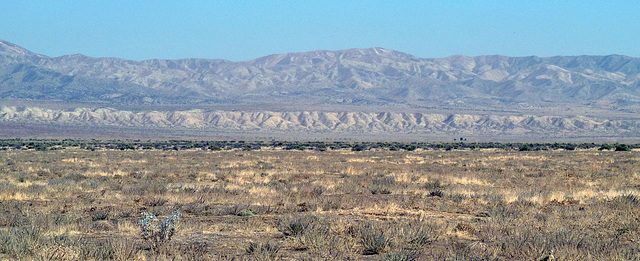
{"points": [[331, 122]]}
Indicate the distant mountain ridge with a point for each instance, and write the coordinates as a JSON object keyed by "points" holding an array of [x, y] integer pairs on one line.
{"points": [[344, 81], [371, 76]]}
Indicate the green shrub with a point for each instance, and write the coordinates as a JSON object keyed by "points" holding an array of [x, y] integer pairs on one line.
{"points": [[606, 147], [526, 147], [623, 147]]}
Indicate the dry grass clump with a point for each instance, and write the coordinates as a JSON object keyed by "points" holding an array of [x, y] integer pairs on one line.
{"points": [[273, 204]]}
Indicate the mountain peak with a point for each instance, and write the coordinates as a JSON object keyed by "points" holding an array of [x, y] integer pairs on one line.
{"points": [[379, 52], [16, 53], [373, 55]]}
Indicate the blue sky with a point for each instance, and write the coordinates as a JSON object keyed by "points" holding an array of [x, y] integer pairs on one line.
{"points": [[241, 30]]}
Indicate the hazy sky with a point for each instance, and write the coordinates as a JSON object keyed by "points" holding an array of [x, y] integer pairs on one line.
{"points": [[241, 30]]}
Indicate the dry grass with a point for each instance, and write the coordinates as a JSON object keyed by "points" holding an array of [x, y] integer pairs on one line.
{"points": [[303, 205]]}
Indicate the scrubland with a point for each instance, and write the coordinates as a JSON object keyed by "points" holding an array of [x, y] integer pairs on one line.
{"points": [[272, 204]]}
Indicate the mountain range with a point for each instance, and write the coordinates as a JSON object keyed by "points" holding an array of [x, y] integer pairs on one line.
{"points": [[372, 91]]}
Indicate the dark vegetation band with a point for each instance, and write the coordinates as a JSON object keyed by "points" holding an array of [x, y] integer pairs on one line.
{"points": [[52, 144]]}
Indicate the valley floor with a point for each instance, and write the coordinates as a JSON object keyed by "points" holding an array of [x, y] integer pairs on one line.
{"points": [[492, 204]]}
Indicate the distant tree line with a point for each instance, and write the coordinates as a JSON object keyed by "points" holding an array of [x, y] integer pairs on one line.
{"points": [[48, 144]]}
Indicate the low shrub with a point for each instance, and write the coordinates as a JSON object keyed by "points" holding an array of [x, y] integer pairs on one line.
{"points": [[158, 233], [374, 241], [436, 193], [416, 233], [294, 226], [263, 250]]}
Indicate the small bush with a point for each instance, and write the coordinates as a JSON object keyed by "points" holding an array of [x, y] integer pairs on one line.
{"points": [[316, 236], [158, 233], [373, 240], [319, 239], [294, 226], [417, 233], [623, 147], [433, 184], [263, 251], [22, 177], [627, 199], [99, 215], [436, 193]]}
